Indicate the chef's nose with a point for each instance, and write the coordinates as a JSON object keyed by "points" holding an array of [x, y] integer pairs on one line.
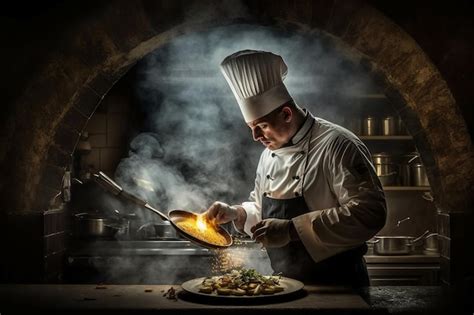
{"points": [[257, 133]]}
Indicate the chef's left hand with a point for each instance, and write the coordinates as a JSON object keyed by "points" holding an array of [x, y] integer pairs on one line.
{"points": [[272, 232]]}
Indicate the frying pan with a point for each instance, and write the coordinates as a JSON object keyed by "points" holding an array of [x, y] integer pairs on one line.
{"points": [[174, 216]]}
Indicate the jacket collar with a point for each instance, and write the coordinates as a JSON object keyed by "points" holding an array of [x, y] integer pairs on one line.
{"points": [[304, 129]]}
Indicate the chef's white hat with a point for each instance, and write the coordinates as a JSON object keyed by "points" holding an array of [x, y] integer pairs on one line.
{"points": [[256, 79]]}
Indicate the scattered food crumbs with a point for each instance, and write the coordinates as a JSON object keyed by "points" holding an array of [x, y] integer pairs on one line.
{"points": [[171, 294], [148, 290], [101, 287]]}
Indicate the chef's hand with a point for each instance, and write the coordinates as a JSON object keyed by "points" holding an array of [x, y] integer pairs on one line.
{"points": [[272, 232], [221, 212]]}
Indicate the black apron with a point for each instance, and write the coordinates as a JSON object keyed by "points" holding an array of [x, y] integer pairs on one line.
{"points": [[293, 261]]}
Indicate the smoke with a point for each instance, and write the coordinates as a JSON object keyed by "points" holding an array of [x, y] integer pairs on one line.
{"points": [[198, 148]]}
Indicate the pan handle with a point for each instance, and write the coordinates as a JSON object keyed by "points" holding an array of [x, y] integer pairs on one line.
{"points": [[107, 183], [158, 212], [115, 189], [373, 242], [416, 240]]}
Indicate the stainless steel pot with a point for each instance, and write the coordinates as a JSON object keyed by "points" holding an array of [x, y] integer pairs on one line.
{"points": [[431, 243], [395, 245], [418, 175], [93, 225], [406, 167], [385, 169], [382, 158]]}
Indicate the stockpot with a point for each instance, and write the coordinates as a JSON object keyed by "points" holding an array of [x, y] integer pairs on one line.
{"points": [[395, 245]]}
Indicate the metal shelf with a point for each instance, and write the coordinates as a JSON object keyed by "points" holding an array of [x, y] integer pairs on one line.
{"points": [[407, 188], [386, 137]]}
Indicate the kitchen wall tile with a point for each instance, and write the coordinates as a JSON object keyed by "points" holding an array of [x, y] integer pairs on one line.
{"points": [[109, 158], [91, 160], [98, 140], [118, 103], [97, 124], [116, 126]]}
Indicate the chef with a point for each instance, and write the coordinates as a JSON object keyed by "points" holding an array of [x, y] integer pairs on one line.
{"points": [[316, 198]]}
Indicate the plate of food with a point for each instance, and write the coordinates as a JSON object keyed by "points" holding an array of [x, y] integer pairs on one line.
{"points": [[242, 284]]}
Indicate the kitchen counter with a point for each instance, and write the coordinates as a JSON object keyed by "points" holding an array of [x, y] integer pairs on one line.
{"points": [[149, 298]]}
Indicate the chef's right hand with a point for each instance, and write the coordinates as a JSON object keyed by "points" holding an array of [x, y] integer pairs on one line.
{"points": [[221, 212]]}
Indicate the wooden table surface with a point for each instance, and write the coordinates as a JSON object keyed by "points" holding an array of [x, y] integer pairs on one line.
{"points": [[143, 298]]}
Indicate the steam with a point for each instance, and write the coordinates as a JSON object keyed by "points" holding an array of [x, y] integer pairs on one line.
{"points": [[198, 148]]}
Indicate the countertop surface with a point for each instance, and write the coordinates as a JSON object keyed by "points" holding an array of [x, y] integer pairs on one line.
{"points": [[144, 298], [150, 298]]}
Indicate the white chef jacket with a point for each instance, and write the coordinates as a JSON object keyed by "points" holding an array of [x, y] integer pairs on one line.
{"points": [[332, 169]]}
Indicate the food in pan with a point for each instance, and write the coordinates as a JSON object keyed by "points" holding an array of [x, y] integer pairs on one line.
{"points": [[240, 282], [203, 230]]}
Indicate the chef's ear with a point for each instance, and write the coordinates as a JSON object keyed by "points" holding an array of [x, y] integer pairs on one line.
{"points": [[287, 113]]}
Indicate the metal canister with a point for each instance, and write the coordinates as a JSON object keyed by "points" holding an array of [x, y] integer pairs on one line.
{"points": [[389, 126], [418, 175], [369, 126]]}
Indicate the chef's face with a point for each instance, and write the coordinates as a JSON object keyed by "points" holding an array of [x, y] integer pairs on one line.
{"points": [[273, 130]]}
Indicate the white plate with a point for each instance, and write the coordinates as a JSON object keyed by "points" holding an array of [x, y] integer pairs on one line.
{"points": [[289, 286]]}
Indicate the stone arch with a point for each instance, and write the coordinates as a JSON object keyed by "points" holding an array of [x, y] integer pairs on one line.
{"points": [[58, 101]]}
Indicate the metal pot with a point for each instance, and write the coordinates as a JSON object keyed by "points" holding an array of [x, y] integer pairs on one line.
{"points": [[395, 245], [385, 169], [418, 175], [93, 225], [431, 243], [405, 167], [153, 230]]}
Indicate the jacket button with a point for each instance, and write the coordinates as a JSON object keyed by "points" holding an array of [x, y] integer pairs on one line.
{"points": [[296, 177], [273, 154]]}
